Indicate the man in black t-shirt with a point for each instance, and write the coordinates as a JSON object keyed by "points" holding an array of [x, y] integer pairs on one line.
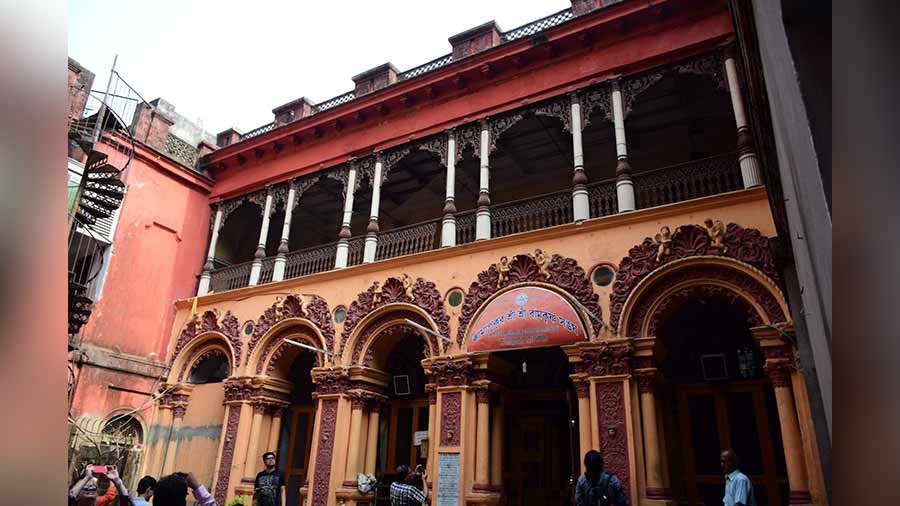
{"points": [[268, 488]]}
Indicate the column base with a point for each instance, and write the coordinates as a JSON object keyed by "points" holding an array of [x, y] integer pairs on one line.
{"points": [[342, 254], [255, 271], [349, 495], [660, 494], [483, 224], [278, 268], [581, 206], [203, 287], [750, 172], [625, 194], [448, 232], [369, 248], [800, 497], [486, 498]]}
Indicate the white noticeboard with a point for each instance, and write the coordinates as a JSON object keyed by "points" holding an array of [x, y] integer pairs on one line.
{"points": [[419, 436], [448, 480]]}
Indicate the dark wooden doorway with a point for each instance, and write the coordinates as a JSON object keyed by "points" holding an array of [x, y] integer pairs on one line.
{"points": [[739, 415], [297, 469]]}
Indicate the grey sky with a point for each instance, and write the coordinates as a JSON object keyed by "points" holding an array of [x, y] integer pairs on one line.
{"points": [[228, 63]]}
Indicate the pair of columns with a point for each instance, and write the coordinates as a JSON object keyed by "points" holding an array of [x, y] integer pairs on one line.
{"points": [[259, 255], [488, 439], [780, 373], [259, 442], [362, 449]]}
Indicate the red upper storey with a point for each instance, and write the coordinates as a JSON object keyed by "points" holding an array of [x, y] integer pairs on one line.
{"points": [[623, 38]]}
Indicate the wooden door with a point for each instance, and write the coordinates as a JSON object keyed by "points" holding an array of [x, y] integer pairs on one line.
{"points": [[737, 415], [406, 418], [297, 469]]}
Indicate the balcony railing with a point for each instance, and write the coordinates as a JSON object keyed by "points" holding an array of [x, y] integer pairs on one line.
{"points": [[231, 277], [691, 180], [406, 240], [310, 261], [695, 179]]}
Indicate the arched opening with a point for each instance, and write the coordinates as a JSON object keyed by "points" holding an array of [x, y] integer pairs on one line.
{"points": [[540, 433], [295, 438], [212, 368], [715, 397], [239, 236]]}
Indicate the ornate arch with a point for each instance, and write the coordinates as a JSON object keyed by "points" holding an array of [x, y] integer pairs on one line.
{"points": [[561, 272], [421, 299], [198, 332], [288, 312], [731, 262], [387, 321], [746, 245], [272, 346], [208, 349]]}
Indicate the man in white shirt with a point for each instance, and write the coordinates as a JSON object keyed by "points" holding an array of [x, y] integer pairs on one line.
{"points": [[738, 489], [144, 491]]}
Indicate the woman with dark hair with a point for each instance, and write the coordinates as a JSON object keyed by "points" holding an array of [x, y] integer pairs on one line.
{"points": [[596, 487]]}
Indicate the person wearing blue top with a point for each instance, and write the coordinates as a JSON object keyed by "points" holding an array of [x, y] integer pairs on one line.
{"points": [[738, 489], [596, 487]]}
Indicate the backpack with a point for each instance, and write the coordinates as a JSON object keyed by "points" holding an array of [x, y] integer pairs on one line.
{"points": [[599, 493]]}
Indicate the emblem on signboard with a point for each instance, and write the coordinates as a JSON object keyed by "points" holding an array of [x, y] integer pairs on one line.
{"points": [[522, 299]]}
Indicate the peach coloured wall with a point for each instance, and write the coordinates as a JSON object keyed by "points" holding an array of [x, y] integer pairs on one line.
{"points": [[606, 239], [200, 432]]}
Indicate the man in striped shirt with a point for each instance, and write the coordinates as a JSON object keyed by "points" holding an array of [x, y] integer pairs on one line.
{"points": [[404, 491]]}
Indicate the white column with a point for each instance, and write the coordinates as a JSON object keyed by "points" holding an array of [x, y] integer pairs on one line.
{"points": [[203, 288], [483, 214], [372, 230], [750, 171], [256, 268], [448, 225], [624, 185], [580, 204], [281, 259], [343, 247]]}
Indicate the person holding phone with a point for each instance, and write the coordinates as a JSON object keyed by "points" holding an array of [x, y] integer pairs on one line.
{"points": [[405, 491], [84, 492]]}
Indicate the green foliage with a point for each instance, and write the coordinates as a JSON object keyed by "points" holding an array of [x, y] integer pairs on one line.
{"points": [[239, 500]]}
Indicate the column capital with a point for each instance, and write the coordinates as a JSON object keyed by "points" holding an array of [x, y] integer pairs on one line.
{"points": [[779, 372], [482, 389], [647, 380]]}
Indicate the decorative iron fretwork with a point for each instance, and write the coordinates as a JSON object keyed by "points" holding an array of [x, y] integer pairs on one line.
{"points": [[468, 135], [336, 101], [501, 124], [633, 86], [365, 170], [538, 26], [268, 127], [435, 64], [181, 151], [708, 64], [406, 240], [559, 107], [259, 198], [599, 99], [389, 159], [438, 145]]}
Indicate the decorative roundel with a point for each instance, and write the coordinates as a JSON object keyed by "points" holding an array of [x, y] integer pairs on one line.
{"points": [[603, 275], [248, 328], [455, 297], [340, 314]]}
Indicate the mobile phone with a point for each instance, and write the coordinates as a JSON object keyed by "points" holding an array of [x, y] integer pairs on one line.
{"points": [[100, 469]]}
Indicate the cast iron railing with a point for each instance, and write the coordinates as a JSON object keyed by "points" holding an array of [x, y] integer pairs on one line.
{"points": [[685, 181], [231, 277], [406, 240], [310, 261], [690, 180]]}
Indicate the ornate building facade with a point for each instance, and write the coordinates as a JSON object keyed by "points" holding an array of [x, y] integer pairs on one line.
{"points": [[553, 239]]}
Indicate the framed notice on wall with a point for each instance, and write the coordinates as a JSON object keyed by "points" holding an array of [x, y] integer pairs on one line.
{"points": [[447, 487]]}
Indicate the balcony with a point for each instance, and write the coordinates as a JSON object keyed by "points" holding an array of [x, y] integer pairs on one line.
{"points": [[667, 185]]}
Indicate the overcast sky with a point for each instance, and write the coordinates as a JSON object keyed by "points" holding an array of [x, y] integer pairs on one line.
{"points": [[228, 64]]}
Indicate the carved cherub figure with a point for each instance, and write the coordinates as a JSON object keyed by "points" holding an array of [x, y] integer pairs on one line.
{"points": [[502, 271], [541, 261], [407, 286], [376, 292], [664, 240], [716, 231], [279, 307]]}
